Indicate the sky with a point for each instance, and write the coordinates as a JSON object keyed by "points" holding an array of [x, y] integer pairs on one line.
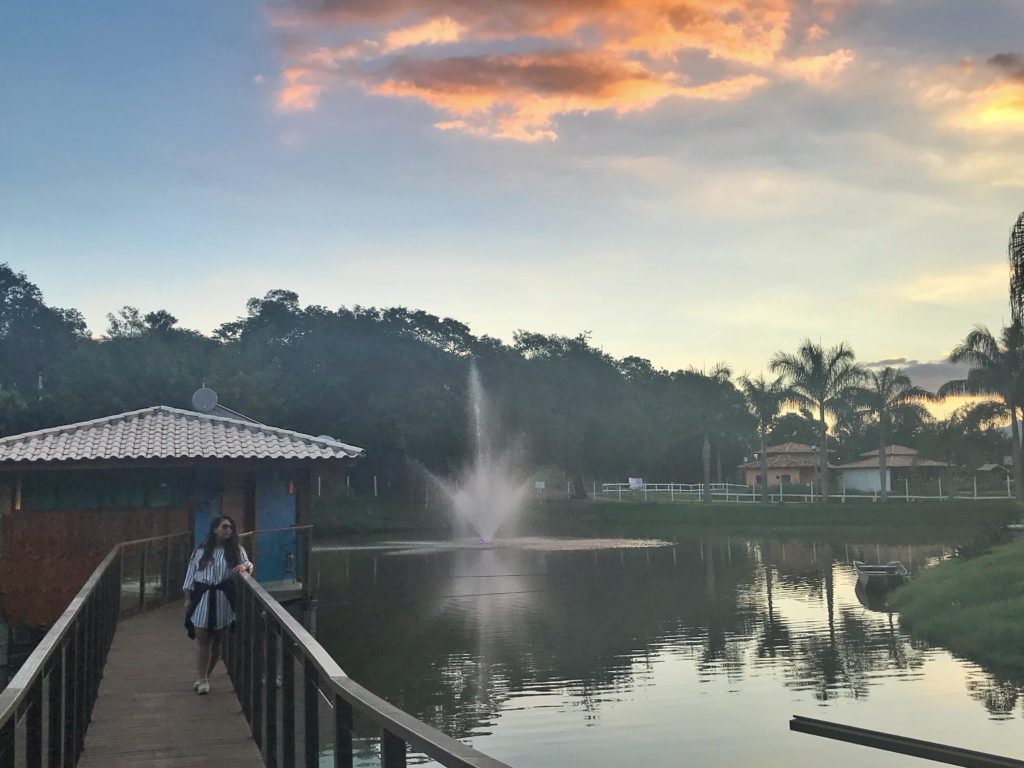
{"points": [[689, 181]]}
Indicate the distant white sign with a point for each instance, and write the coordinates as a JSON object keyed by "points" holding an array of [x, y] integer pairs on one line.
{"points": [[538, 485], [636, 483]]}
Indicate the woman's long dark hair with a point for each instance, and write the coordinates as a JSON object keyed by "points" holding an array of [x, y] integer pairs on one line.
{"points": [[231, 551]]}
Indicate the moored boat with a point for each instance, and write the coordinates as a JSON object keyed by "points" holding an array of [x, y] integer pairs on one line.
{"points": [[880, 576]]}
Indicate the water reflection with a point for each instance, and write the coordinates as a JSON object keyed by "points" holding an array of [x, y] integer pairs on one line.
{"points": [[612, 656]]}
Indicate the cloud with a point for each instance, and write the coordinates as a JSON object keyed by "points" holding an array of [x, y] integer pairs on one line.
{"points": [[1011, 63], [975, 98], [934, 374], [893, 362], [509, 70], [821, 71], [978, 283]]}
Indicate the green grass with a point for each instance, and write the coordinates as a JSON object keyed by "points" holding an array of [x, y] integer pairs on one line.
{"points": [[975, 608], [352, 513], [922, 513]]}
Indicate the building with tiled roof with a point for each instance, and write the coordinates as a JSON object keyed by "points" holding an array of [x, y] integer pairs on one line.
{"points": [[164, 434], [69, 493], [788, 463], [900, 463]]}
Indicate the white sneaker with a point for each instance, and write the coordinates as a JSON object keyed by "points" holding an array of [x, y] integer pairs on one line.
{"points": [[196, 684], [204, 687]]}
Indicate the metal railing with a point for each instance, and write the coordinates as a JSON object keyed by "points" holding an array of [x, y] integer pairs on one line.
{"points": [[46, 707], [269, 649], [807, 493], [928, 750]]}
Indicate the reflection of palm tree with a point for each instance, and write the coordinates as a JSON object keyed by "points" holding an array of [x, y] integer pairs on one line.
{"points": [[774, 634]]}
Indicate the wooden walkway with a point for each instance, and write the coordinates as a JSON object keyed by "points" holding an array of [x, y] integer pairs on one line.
{"points": [[147, 714]]}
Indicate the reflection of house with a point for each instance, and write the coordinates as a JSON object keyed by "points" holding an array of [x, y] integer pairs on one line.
{"points": [[900, 463], [787, 463], [69, 493]]}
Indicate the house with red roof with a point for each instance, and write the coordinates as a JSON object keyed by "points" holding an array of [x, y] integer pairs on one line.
{"points": [[788, 463]]}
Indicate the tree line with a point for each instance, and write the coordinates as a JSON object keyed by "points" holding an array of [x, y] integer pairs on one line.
{"points": [[394, 381]]}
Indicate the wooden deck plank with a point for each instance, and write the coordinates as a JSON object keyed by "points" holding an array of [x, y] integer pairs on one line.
{"points": [[148, 715]]}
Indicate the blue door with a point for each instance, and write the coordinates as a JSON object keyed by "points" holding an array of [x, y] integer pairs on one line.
{"points": [[208, 486], [276, 553]]}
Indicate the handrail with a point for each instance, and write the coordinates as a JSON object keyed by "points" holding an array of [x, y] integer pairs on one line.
{"points": [[68, 663], [263, 650], [929, 750]]}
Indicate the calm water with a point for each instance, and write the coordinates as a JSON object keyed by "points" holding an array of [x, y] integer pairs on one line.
{"points": [[695, 653]]}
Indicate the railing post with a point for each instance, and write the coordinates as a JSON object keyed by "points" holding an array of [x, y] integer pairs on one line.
{"points": [[81, 695], [342, 733], [142, 577], [287, 702], [259, 680], [68, 734], [34, 726], [245, 629], [270, 674], [392, 750], [55, 697], [310, 714], [7, 742], [167, 569]]}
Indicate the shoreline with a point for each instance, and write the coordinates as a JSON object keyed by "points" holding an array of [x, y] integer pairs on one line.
{"points": [[973, 608]]}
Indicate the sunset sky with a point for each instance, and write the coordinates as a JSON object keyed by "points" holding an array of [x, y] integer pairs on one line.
{"points": [[691, 181]]}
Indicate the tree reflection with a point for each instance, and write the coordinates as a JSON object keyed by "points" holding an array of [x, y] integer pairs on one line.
{"points": [[481, 632]]}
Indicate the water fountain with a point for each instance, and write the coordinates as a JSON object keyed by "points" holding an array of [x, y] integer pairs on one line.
{"points": [[492, 490]]}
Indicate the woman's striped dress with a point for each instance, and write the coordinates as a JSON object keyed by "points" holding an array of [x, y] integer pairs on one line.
{"points": [[214, 573]]}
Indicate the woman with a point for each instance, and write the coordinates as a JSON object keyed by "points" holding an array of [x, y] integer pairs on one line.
{"points": [[210, 594]]}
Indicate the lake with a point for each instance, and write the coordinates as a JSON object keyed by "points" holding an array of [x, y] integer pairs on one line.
{"points": [[554, 653]]}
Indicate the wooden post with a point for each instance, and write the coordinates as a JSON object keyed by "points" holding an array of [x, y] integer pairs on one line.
{"points": [[906, 487], [940, 489], [844, 491], [374, 486], [975, 486], [1009, 495]]}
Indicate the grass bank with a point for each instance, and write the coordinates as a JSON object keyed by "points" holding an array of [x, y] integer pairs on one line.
{"points": [[975, 608], [350, 513], [899, 514], [354, 514]]}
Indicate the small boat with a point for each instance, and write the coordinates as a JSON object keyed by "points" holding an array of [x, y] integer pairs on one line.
{"points": [[880, 576]]}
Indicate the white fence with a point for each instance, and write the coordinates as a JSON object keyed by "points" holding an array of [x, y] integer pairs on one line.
{"points": [[735, 492]]}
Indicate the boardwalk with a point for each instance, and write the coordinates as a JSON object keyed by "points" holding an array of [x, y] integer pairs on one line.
{"points": [[148, 715]]}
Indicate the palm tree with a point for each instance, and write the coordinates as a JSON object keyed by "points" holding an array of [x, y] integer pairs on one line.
{"points": [[996, 368], [889, 393], [821, 380], [718, 408], [764, 400]]}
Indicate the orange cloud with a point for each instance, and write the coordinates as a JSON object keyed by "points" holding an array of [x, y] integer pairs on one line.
{"points": [[821, 71], [976, 97], [616, 55]]}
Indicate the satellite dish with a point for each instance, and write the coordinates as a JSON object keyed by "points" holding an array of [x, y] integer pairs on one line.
{"points": [[204, 400]]}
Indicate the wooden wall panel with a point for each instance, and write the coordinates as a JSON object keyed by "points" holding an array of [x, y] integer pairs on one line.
{"points": [[45, 557]]}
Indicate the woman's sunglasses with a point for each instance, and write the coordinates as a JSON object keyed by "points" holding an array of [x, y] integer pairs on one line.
{"points": [[226, 526]]}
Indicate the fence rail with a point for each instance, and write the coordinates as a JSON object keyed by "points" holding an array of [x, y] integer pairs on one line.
{"points": [[790, 493], [270, 651], [45, 709]]}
